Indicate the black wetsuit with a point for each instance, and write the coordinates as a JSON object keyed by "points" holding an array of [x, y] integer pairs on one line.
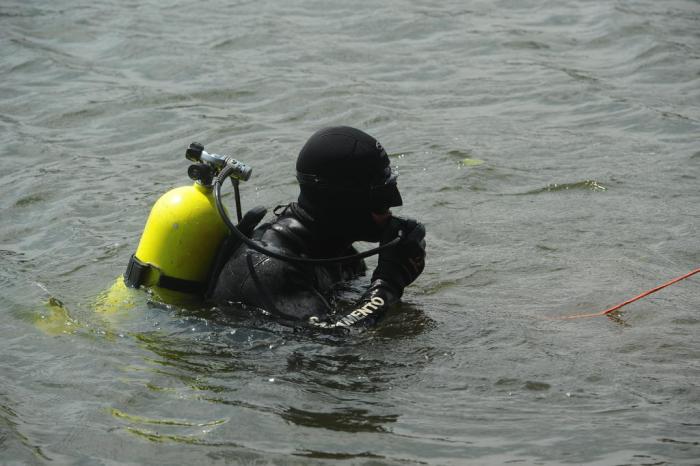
{"points": [[299, 293]]}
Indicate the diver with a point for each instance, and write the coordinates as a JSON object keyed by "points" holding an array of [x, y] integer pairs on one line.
{"points": [[347, 188]]}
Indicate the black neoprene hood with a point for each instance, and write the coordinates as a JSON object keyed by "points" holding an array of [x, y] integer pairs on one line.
{"points": [[346, 166]]}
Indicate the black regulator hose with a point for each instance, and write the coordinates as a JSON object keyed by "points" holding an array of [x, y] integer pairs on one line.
{"points": [[225, 173]]}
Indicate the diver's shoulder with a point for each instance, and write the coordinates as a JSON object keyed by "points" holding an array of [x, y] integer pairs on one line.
{"points": [[286, 233]]}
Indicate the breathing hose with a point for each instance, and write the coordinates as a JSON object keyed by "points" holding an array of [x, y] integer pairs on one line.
{"points": [[225, 173]]}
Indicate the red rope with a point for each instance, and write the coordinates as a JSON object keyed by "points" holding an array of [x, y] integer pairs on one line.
{"points": [[636, 298]]}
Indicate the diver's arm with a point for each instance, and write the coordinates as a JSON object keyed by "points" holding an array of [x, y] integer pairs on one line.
{"points": [[376, 301], [396, 269]]}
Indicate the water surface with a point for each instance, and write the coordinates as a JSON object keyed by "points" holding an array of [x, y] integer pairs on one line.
{"points": [[550, 147]]}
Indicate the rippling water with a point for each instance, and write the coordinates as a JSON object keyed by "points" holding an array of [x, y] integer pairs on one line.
{"points": [[550, 147]]}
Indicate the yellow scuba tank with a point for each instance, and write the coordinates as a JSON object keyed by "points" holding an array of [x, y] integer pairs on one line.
{"points": [[179, 242], [183, 233]]}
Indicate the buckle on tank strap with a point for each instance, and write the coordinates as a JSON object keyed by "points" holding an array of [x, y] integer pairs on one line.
{"points": [[137, 273]]}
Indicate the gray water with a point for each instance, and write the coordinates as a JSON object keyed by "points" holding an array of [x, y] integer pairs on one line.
{"points": [[550, 147]]}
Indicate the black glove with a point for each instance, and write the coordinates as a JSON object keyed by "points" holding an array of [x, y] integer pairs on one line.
{"points": [[400, 265]]}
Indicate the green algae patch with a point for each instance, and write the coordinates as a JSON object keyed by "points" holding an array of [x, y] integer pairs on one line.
{"points": [[471, 162]]}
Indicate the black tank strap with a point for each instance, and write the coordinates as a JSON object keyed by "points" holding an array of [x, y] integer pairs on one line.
{"points": [[137, 272], [181, 285]]}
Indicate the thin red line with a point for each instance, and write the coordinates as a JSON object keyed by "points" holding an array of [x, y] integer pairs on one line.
{"points": [[636, 298]]}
